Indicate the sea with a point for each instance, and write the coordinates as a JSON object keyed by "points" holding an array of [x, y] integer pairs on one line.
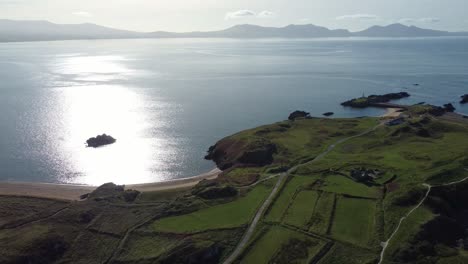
{"points": [[166, 101]]}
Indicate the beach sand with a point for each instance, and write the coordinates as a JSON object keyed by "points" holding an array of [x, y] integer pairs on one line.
{"points": [[73, 192], [392, 112]]}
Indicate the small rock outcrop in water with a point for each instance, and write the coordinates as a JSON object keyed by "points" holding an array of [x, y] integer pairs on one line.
{"points": [[100, 141], [328, 114], [449, 108], [298, 114], [374, 99], [464, 99]]}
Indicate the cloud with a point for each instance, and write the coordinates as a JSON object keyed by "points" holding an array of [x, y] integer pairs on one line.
{"points": [[430, 20], [239, 14], [419, 20], [407, 20], [266, 14], [358, 17], [82, 14]]}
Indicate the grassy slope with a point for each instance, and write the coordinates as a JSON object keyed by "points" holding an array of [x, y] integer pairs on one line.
{"points": [[233, 214], [354, 221], [287, 193], [344, 185], [270, 243], [302, 208], [320, 190]]}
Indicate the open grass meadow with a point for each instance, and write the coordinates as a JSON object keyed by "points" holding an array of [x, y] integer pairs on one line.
{"points": [[349, 254], [285, 197], [301, 209], [304, 139], [232, 214], [343, 185], [281, 245], [354, 220], [322, 216]]}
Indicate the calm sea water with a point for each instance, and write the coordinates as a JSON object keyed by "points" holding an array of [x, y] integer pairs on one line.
{"points": [[167, 101]]}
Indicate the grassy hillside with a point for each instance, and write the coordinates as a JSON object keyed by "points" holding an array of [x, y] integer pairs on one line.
{"points": [[334, 209]]}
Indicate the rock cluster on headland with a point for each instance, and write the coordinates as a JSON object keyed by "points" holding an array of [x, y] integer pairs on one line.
{"points": [[374, 99], [464, 99], [231, 152], [112, 192], [100, 140], [298, 114], [449, 108]]}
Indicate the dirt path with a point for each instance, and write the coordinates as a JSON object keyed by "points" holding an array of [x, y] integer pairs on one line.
{"points": [[253, 225], [429, 188]]}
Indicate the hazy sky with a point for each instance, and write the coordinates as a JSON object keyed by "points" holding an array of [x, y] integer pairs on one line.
{"points": [[188, 15]]}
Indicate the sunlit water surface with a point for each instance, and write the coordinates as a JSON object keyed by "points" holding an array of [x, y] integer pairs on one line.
{"points": [[167, 101]]}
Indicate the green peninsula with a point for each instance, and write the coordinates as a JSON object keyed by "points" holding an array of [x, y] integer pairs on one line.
{"points": [[308, 190]]}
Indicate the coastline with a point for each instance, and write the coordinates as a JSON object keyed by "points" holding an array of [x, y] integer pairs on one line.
{"points": [[392, 112], [72, 192]]}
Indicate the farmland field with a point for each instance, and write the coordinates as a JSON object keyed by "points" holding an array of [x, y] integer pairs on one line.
{"points": [[302, 208], [354, 220], [269, 246]]}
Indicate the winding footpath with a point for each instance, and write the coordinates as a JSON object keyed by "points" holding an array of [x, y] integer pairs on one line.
{"points": [[429, 188], [258, 215]]}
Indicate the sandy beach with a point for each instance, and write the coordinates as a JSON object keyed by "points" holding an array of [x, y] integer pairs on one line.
{"points": [[392, 112], [73, 192]]}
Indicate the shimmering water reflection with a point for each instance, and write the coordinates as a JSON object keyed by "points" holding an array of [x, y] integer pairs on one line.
{"points": [[167, 100], [91, 110]]}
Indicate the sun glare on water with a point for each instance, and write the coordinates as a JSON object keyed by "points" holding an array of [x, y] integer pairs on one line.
{"points": [[93, 109]]}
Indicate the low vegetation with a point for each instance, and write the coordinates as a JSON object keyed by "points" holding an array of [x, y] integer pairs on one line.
{"points": [[334, 209]]}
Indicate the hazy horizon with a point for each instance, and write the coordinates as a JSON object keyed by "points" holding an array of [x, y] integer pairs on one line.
{"points": [[190, 15]]}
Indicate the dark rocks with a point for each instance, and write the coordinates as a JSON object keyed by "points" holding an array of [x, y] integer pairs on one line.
{"points": [[328, 114], [100, 140], [298, 114], [364, 175], [422, 132], [218, 192], [449, 108], [437, 111], [114, 193], [464, 99], [364, 102], [232, 152], [395, 122], [262, 155]]}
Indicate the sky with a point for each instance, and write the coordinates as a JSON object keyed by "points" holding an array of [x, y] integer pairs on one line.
{"points": [[204, 15]]}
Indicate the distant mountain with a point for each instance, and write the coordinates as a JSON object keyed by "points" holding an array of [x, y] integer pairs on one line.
{"points": [[399, 30], [254, 31], [12, 30]]}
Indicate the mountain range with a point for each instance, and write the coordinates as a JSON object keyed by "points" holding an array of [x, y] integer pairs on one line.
{"points": [[17, 30]]}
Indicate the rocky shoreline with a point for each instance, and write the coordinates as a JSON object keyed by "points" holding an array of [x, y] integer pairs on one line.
{"points": [[374, 100]]}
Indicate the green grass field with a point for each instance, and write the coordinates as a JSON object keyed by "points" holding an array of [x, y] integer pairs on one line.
{"points": [[267, 247], [343, 185], [302, 208], [284, 199], [321, 218], [146, 247], [233, 214], [354, 220], [349, 254]]}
